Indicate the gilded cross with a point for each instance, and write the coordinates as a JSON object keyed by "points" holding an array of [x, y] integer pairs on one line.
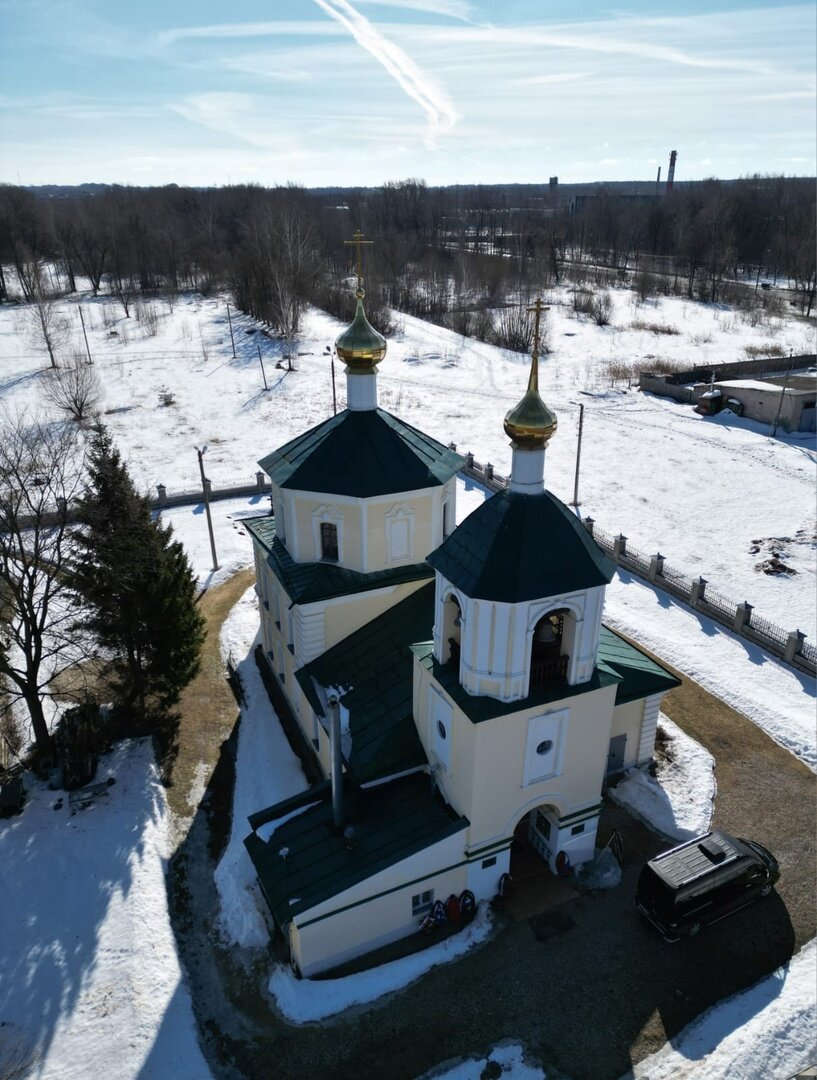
{"points": [[359, 242], [538, 308]]}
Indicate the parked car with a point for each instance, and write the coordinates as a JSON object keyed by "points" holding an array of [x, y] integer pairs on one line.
{"points": [[702, 881]]}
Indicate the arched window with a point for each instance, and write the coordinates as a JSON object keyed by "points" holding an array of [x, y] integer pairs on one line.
{"points": [[548, 662], [452, 631], [329, 541]]}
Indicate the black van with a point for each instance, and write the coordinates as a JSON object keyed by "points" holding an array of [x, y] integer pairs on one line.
{"points": [[702, 881]]}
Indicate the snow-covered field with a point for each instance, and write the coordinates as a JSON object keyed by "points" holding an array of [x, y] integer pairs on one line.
{"points": [[101, 970], [90, 983], [702, 491]]}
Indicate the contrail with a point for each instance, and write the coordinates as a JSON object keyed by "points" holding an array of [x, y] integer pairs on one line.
{"points": [[419, 86]]}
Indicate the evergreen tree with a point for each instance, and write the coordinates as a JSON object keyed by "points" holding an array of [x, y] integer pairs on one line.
{"points": [[137, 584]]}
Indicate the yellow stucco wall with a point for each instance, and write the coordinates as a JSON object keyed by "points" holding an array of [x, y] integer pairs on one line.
{"points": [[485, 777], [342, 619], [351, 927], [363, 525]]}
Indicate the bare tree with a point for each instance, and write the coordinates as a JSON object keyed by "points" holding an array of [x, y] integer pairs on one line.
{"points": [[40, 474], [48, 324], [75, 388]]}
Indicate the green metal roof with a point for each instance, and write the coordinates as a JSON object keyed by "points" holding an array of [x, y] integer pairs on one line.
{"points": [[362, 454], [636, 675], [375, 666], [640, 675], [307, 582], [518, 547], [391, 821], [479, 709]]}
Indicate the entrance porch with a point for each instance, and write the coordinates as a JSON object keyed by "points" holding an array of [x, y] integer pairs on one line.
{"points": [[536, 888]]}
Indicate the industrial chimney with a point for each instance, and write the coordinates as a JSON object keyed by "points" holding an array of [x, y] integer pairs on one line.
{"points": [[671, 173], [658, 182]]}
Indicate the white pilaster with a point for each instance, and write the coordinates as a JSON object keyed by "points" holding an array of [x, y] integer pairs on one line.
{"points": [[361, 390], [528, 471]]}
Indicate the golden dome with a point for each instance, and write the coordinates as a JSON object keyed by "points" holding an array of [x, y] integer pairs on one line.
{"points": [[360, 346], [531, 423]]}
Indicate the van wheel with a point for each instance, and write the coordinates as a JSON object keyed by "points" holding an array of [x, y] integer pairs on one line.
{"points": [[694, 929]]}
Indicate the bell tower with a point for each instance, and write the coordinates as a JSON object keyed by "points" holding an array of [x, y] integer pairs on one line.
{"points": [[520, 583]]}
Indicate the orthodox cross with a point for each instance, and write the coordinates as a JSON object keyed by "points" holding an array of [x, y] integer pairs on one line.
{"points": [[538, 308], [359, 242]]}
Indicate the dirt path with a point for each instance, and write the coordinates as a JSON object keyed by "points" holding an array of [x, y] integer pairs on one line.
{"points": [[587, 989], [207, 709]]}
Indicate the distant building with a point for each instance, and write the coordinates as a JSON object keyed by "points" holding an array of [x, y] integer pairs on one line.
{"points": [[455, 684], [788, 400]]}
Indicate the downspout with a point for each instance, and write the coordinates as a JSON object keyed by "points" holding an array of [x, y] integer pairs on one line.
{"points": [[336, 761]]}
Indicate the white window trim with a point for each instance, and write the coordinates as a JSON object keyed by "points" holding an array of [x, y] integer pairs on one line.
{"points": [[400, 512], [555, 757], [329, 515]]}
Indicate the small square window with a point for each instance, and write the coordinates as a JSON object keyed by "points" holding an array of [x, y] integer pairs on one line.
{"points": [[577, 829], [421, 903], [486, 863]]}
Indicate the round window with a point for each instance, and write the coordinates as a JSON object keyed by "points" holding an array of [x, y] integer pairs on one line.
{"points": [[545, 746], [441, 729]]}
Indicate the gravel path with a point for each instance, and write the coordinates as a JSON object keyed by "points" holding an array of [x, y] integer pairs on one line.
{"points": [[587, 988]]}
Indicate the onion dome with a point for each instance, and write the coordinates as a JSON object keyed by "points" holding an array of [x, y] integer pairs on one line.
{"points": [[360, 346], [531, 424]]}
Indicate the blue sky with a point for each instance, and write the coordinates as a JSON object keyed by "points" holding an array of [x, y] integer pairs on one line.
{"points": [[359, 92]]}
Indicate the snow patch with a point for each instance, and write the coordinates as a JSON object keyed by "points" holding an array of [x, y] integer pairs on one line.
{"points": [[266, 772], [765, 1031], [91, 978], [678, 800], [306, 1000]]}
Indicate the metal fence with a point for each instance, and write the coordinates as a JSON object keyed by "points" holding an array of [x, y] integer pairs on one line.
{"points": [[789, 646]]}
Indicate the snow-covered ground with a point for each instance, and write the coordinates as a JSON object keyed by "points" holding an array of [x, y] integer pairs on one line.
{"points": [[678, 801], [90, 982], [104, 972], [266, 772], [704, 492]]}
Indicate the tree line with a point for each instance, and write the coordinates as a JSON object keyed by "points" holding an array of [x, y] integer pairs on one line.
{"points": [[98, 611], [449, 254]]}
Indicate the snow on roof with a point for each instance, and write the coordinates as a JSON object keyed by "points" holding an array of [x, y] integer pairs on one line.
{"points": [[749, 384]]}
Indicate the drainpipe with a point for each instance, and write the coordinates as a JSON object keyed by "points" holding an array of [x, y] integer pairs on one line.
{"points": [[337, 761]]}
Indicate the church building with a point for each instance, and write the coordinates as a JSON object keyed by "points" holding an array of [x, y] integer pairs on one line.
{"points": [[453, 683]]}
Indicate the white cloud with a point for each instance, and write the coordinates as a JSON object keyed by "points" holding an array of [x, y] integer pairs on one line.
{"points": [[415, 82], [454, 9]]}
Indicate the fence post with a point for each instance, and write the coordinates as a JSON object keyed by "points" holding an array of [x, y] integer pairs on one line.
{"points": [[259, 480], [656, 566], [697, 590], [488, 472], [588, 524], [452, 446], [794, 643], [619, 546], [469, 460], [742, 617], [161, 491]]}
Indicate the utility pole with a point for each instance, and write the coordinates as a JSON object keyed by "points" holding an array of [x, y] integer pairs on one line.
{"points": [[87, 347], [230, 321], [205, 490], [578, 458], [328, 352], [261, 361]]}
